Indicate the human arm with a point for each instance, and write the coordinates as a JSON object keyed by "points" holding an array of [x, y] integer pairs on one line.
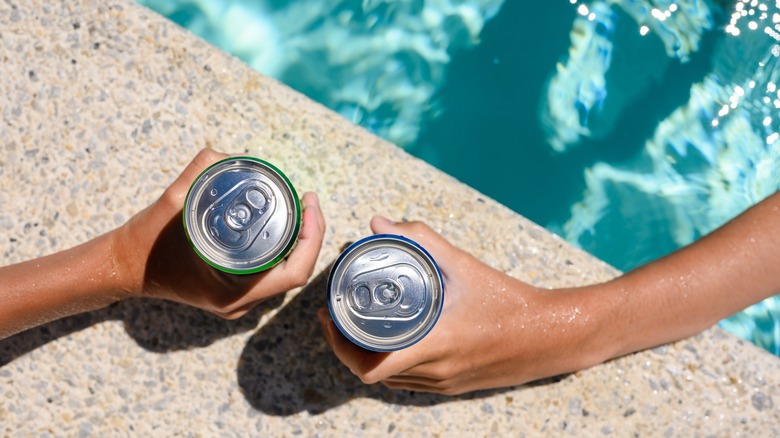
{"points": [[496, 331], [149, 256]]}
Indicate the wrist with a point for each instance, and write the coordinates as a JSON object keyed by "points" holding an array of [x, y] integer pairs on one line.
{"points": [[80, 279], [126, 261], [575, 331], [107, 274], [596, 333], [619, 324]]}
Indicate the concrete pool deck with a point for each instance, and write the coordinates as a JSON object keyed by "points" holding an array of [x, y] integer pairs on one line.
{"points": [[104, 102]]}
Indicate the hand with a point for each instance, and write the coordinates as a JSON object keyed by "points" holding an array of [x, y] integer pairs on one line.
{"points": [[494, 330], [158, 261]]}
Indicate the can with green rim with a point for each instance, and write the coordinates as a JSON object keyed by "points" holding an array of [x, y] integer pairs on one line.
{"points": [[242, 215]]}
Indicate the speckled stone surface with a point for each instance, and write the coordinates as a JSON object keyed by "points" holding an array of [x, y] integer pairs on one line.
{"points": [[104, 102]]}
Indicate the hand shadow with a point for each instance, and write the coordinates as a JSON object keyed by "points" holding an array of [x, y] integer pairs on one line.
{"points": [[156, 325], [29, 340], [288, 367], [161, 325]]}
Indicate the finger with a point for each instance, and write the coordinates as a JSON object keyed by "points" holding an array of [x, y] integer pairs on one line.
{"points": [[440, 249], [311, 201], [290, 273], [205, 158], [298, 267], [418, 387], [357, 359], [413, 380], [173, 196], [371, 367], [448, 387]]}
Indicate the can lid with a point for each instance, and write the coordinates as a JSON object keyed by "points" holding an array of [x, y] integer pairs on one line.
{"points": [[385, 292], [242, 215]]}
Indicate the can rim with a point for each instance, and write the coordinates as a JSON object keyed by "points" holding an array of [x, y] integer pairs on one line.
{"points": [[293, 235], [345, 253]]}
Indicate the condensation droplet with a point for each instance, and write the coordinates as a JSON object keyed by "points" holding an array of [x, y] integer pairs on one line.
{"points": [[266, 234], [213, 192], [387, 325]]}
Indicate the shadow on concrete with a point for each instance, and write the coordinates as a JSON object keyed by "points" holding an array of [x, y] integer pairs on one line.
{"points": [[22, 343], [287, 366], [161, 326], [155, 325]]}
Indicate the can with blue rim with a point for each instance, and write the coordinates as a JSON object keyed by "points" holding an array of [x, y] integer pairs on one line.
{"points": [[385, 292], [242, 215]]}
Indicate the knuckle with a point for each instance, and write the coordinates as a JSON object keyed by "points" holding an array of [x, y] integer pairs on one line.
{"points": [[420, 229], [299, 278], [172, 198], [417, 226], [396, 385], [368, 381], [229, 315], [296, 276], [450, 391], [226, 308], [206, 156], [443, 371]]}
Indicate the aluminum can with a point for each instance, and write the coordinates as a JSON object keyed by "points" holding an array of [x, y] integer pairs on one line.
{"points": [[385, 292], [242, 215]]}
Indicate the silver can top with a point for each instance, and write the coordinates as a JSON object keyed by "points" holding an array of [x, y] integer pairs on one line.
{"points": [[242, 215], [385, 292]]}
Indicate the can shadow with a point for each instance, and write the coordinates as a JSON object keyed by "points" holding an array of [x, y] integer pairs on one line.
{"points": [[287, 366]]}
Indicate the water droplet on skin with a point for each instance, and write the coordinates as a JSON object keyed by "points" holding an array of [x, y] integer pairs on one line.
{"points": [[213, 192]]}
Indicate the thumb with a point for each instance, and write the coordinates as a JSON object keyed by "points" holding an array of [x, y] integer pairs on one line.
{"points": [[442, 251]]}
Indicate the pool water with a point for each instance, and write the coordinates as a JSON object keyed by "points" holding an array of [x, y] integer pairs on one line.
{"points": [[629, 127]]}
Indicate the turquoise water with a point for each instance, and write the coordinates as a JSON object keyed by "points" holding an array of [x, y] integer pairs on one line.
{"points": [[629, 127]]}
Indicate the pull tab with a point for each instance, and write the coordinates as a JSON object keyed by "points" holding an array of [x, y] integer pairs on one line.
{"points": [[394, 292], [239, 216]]}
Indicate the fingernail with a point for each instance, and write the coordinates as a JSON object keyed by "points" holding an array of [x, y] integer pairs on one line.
{"points": [[310, 199]]}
